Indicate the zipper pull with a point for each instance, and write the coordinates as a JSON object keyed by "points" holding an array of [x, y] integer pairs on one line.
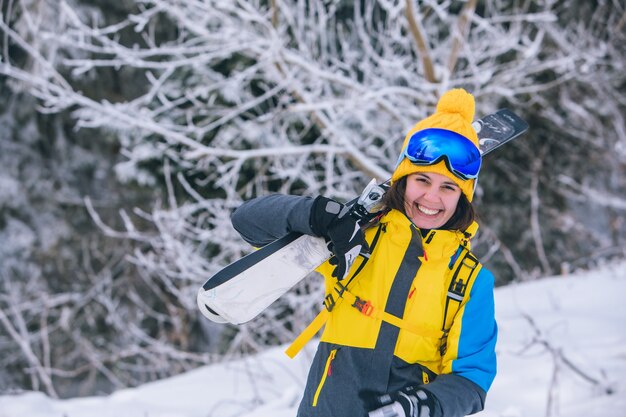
{"points": [[330, 362]]}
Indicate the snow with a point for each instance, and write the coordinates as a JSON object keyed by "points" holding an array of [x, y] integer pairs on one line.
{"points": [[561, 352]]}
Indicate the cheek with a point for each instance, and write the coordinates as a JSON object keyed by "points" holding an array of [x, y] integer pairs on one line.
{"points": [[408, 194], [412, 191], [451, 201]]}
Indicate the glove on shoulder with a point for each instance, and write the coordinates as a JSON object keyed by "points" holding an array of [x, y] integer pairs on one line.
{"points": [[408, 402], [332, 221]]}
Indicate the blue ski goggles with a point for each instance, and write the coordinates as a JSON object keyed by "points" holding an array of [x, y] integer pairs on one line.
{"points": [[430, 146]]}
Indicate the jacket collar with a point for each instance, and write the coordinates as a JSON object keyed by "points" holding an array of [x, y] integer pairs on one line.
{"points": [[437, 243]]}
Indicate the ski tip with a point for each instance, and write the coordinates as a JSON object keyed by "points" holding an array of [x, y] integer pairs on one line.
{"points": [[510, 116], [498, 128], [206, 311]]}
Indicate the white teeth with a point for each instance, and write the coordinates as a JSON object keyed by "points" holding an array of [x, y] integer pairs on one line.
{"points": [[427, 210]]}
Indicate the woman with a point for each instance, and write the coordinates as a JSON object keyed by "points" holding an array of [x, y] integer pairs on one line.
{"points": [[417, 337]]}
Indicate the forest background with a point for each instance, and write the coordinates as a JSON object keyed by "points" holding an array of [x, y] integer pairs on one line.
{"points": [[130, 130]]}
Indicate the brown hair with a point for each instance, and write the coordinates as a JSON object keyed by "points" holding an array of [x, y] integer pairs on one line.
{"points": [[463, 216]]}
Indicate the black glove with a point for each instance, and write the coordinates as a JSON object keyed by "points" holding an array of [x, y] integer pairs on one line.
{"points": [[330, 220], [408, 402]]}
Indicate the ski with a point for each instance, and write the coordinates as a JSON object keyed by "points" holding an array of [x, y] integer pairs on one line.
{"points": [[242, 290]]}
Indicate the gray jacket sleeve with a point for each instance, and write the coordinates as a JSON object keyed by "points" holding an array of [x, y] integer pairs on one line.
{"points": [[262, 220], [456, 396]]}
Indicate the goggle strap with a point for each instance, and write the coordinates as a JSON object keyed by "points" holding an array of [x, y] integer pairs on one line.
{"points": [[446, 160]]}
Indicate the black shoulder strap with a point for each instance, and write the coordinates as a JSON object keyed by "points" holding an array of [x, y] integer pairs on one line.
{"points": [[463, 271]]}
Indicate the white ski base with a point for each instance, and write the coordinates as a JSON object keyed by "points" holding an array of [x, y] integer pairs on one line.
{"points": [[246, 295]]}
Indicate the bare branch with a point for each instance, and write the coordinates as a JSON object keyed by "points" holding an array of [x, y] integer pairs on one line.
{"points": [[460, 33], [20, 336], [535, 203], [421, 41]]}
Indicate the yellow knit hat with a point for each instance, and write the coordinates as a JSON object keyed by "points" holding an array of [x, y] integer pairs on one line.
{"points": [[455, 112]]}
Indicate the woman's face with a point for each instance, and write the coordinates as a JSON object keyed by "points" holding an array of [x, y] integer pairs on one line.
{"points": [[430, 199]]}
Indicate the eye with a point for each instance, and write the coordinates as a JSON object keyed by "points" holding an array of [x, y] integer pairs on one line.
{"points": [[448, 187]]}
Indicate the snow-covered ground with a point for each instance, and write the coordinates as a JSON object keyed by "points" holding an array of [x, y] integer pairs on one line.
{"points": [[562, 352]]}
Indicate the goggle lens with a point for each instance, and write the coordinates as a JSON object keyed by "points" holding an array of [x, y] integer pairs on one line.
{"points": [[429, 146]]}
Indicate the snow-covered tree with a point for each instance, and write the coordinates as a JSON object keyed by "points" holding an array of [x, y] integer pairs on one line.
{"points": [[213, 102]]}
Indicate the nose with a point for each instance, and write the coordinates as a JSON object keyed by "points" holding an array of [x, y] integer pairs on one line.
{"points": [[432, 194]]}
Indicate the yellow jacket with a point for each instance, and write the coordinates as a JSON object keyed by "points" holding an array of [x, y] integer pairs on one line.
{"points": [[408, 275]]}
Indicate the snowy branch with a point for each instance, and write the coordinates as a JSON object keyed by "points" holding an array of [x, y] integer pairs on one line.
{"points": [[197, 105]]}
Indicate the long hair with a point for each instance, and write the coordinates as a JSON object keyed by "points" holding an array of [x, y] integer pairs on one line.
{"points": [[463, 216]]}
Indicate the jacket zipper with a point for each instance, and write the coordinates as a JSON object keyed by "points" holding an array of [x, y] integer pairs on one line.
{"points": [[327, 371]]}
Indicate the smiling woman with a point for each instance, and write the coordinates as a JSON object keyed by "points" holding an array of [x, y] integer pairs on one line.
{"points": [[417, 335]]}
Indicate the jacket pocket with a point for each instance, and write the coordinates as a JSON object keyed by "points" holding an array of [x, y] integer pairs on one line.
{"points": [[327, 372]]}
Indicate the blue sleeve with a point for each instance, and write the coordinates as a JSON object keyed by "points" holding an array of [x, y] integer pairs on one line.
{"points": [[463, 390], [476, 357]]}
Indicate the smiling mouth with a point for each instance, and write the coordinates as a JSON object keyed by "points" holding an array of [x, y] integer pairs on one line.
{"points": [[427, 211]]}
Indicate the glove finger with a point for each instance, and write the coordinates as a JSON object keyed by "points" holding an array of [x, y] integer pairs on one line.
{"points": [[341, 269], [373, 399], [365, 247], [339, 272], [394, 409], [359, 239]]}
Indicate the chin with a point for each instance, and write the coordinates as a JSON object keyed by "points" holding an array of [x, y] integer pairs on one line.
{"points": [[427, 224]]}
